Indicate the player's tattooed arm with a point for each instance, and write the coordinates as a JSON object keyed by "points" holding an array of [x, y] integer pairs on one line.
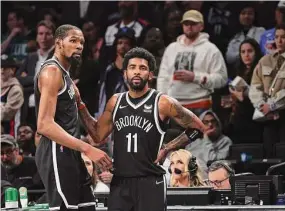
{"points": [[90, 124], [105, 122], [97, 129], [88, 121], [183, 116], [179, 142], [194, 128]]}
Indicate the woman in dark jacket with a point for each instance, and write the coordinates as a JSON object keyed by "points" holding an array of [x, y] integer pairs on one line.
{"points": [[242, 128]]}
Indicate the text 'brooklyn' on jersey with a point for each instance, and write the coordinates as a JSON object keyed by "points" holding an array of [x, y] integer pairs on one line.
{"points": [[138, 136]]}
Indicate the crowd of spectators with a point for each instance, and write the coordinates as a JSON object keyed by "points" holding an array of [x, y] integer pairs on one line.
{"points": [[223, 60]]}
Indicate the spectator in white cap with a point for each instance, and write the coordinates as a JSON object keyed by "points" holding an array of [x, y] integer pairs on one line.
{"points": [[192, 67], [267, 39]]}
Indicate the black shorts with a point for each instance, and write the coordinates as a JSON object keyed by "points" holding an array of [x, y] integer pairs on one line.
{"points": [[65, 177], [137, 194]]}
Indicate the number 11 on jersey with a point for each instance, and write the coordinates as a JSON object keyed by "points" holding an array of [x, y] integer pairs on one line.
{"points": [[131, 137]]}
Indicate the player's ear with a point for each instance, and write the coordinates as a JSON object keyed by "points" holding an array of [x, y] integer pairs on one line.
{"points": [[58, 42]]}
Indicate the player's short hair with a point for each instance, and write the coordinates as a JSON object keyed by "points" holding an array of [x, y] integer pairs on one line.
{"points": [[142, 54], [61, 31]]}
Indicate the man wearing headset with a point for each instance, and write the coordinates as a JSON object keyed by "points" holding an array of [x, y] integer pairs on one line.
{"points": [[219, 173]]}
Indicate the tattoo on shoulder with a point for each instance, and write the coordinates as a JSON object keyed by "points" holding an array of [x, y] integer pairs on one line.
{"points": [[182, 115]]}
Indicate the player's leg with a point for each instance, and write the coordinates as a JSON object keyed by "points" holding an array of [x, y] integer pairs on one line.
{"points": [[152, 194], [87, 199], [120, 197], [46, 171]]}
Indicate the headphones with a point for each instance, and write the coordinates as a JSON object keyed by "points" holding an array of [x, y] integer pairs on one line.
{"points": [[224, 164], [192, 167]]}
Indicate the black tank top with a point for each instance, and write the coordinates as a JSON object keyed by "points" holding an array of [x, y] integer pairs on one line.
{"points": [[138, 136], [66, 114], [56, 163]]}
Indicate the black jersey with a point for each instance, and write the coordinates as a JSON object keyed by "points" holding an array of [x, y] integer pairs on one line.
{"points": [[66, 114], [138, 136], [62, 169]]}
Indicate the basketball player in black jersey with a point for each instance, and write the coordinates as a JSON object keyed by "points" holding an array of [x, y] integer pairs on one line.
{"points": [[58, 155], [137, 118]]}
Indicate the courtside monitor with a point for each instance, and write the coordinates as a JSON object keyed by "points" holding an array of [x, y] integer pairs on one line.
{"points": [[189, 196], [260, 190], [221, 197]]}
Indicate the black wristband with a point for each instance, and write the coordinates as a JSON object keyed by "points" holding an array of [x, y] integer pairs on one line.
{"points": [[193, 134]]}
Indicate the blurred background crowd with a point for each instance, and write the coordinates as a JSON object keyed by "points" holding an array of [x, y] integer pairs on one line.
{"points": [[223, 60]]}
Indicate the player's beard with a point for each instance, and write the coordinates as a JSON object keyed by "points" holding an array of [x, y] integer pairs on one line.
{"points": [[137, 87], [74, 61]]}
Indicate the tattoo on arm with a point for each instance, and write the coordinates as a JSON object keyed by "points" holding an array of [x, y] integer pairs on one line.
{"points": [[179, 142], [193, 125], [183, 115], [188, 136], [90, 125]]}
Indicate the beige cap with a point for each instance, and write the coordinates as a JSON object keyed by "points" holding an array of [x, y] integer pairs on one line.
{"points": [[193, 15]]}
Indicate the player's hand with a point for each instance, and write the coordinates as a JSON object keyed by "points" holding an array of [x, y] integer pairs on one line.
{"points": [[100, 158], [106, 177], [161, 156]]}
